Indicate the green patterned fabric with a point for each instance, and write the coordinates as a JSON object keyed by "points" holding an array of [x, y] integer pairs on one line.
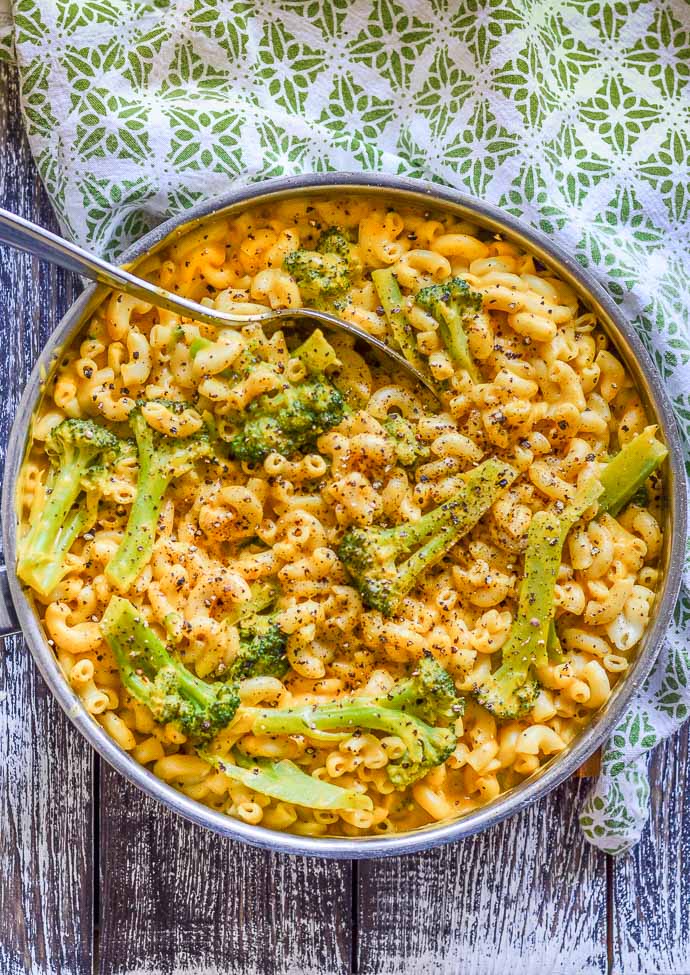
{"points": [[573, 115]]}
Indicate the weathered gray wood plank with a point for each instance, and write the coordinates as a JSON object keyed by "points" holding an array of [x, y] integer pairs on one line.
{"points": [[651, 885], [527, 897], [179, 900], [45, 766]]}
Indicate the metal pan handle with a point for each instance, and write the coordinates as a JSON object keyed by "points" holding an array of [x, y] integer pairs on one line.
{"points": [[9, 624]]}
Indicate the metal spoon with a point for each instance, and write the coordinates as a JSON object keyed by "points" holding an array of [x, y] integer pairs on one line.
{"points": [[23, 235]]}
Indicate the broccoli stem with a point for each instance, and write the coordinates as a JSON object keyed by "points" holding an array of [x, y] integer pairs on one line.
{"points": [[285, 781], [535, 605], [159, 681], [553, 642], [129, 636], [449, 522], [391, 299], [136, 547], [131, 639], [425, 746], [455, 340], [63, 490], [47, 571], [161, 459], [627, 472], [352, 713], [528, 640], [454, 518], [263, 595], [545, 540], [73, 447]]}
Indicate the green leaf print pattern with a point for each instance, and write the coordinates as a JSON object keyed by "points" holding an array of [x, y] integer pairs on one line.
{"points": [[572, 115]]}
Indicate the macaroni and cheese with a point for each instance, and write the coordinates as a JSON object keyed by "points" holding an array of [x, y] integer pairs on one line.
{"points": [[224, 586]]}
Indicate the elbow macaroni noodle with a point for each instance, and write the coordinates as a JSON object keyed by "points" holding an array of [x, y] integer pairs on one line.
{"points": [[553, 399]]}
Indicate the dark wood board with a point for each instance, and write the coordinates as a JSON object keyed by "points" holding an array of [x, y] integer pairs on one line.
{"points": [[651, 885], [46, 769], [179, 900], [527, 897]]}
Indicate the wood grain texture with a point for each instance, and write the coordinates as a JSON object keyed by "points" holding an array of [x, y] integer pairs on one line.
{"points": [[179, 900], [651, 885], [45, 766], [527, 897]]}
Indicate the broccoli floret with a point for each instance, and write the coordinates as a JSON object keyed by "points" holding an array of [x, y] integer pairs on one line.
{"points": [[429, 693], [334, 241], [510, 692], [402, 712], [318, 275], [288, 420], [161, 460], [262, 642], [454, 305], [74, 448], [324, 272], [370, 555], [153, 676], [262, 650], [409, 449]]}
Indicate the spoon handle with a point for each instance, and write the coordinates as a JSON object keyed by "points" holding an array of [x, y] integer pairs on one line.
{"points": [[23, 235], [26, 236]]}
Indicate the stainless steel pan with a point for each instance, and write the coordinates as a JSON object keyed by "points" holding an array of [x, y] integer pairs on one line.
{"points": [[16, 611]]}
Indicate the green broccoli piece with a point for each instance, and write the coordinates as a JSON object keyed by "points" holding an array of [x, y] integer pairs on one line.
{"points": [[370, 555], [512, 690], [553, 645], [288, 420], [284, 780], [262, 650], [317, 354], [74, 448], [409, 449], [161, 460], [262, 642], [318, 275], [627, 472], [429, 694], [454, 305], [325, 272], [334, 241], [402, 333], [263, 597], [155, 678], [405, 712]]}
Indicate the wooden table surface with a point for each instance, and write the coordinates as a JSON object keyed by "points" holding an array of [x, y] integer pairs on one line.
{"points": [[95, 877]]}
